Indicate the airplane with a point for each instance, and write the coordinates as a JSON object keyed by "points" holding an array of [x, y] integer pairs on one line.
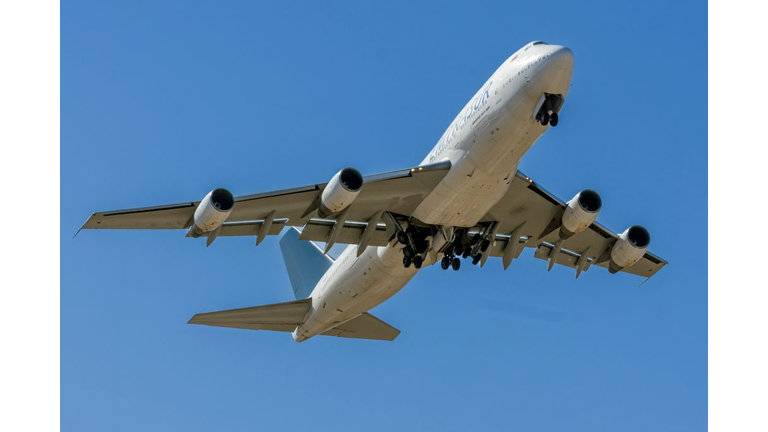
{"points": [[465, 200]]}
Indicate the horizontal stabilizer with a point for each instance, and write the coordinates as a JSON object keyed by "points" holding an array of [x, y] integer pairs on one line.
{"points": [[285, 317], [276, 317], [364, 326]]}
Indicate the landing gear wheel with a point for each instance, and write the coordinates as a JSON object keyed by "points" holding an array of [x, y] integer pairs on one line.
{"points": [[445, 263], [458, 249], [553, 118], [406, 261], [485, 245], [402, 238], [408, 252], [466, 253], [418, 261], [476, 259], [544, 118], [455, 263]]}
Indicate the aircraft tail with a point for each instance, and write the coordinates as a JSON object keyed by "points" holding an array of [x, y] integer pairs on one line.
{"points": [[305, 263]]}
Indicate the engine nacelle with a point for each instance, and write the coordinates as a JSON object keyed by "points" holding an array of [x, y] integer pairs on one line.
{"points": [[629, 248], [580, 212], [213, 210], [340, 192]]}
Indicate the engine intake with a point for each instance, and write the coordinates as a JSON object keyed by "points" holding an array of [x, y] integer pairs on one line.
{"points": [[340, 192], [629, 248], [213, 210], [580, 212]]}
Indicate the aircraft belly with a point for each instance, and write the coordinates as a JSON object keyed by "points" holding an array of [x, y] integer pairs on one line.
{"points": [[481, 177]]}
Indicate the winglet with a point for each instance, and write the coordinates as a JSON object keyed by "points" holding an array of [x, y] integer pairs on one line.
{"points": [[83, 225]]}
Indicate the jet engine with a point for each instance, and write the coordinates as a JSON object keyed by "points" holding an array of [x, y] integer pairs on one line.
{"points": [[212, 212], [629, 248], [580, 212], [340, 192]]}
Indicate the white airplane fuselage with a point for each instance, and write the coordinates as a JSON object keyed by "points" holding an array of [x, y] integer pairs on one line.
{"points": [[484, 145]]}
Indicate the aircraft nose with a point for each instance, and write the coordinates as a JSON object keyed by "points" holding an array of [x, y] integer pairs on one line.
{"points": [[561, 58], [554, 69]]}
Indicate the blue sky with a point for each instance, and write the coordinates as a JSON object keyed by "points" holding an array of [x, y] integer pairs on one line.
{"points": [[161, 102]]}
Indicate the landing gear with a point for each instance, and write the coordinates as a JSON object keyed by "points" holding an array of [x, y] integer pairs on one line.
{"points": [[550, 106], [455, 263], [402, 237], [409, 256], [550, 118], [553, 118], [445, 263], [476, 259], [544, 118], [414, 240]]}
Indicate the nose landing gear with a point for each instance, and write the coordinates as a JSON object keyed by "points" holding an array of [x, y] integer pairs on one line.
{"points": [[548, 118], [547, 114]]}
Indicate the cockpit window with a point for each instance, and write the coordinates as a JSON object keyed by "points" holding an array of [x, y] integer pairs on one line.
{"points": [[534, 44]]}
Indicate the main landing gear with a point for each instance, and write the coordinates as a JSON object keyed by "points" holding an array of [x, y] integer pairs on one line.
{"points": [[416, 246], [415, 243], [463, 248], [450, 261]]}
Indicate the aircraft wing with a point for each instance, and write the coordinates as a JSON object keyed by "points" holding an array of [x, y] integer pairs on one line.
{"points": [[397, 192], [534, 212]]}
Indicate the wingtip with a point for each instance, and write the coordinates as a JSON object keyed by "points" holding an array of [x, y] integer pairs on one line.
{"points": [[83, 225]]}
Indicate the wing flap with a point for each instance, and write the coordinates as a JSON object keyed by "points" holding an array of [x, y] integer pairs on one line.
{"points": [[249, 228], [320, 230]]}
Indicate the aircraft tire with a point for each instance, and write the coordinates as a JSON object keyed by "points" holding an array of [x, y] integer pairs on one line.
{"points": [[445, 263], [402, 238], [456, 263]]}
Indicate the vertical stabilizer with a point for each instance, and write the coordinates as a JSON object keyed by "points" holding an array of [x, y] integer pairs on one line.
{"points": [[306, 263]]}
